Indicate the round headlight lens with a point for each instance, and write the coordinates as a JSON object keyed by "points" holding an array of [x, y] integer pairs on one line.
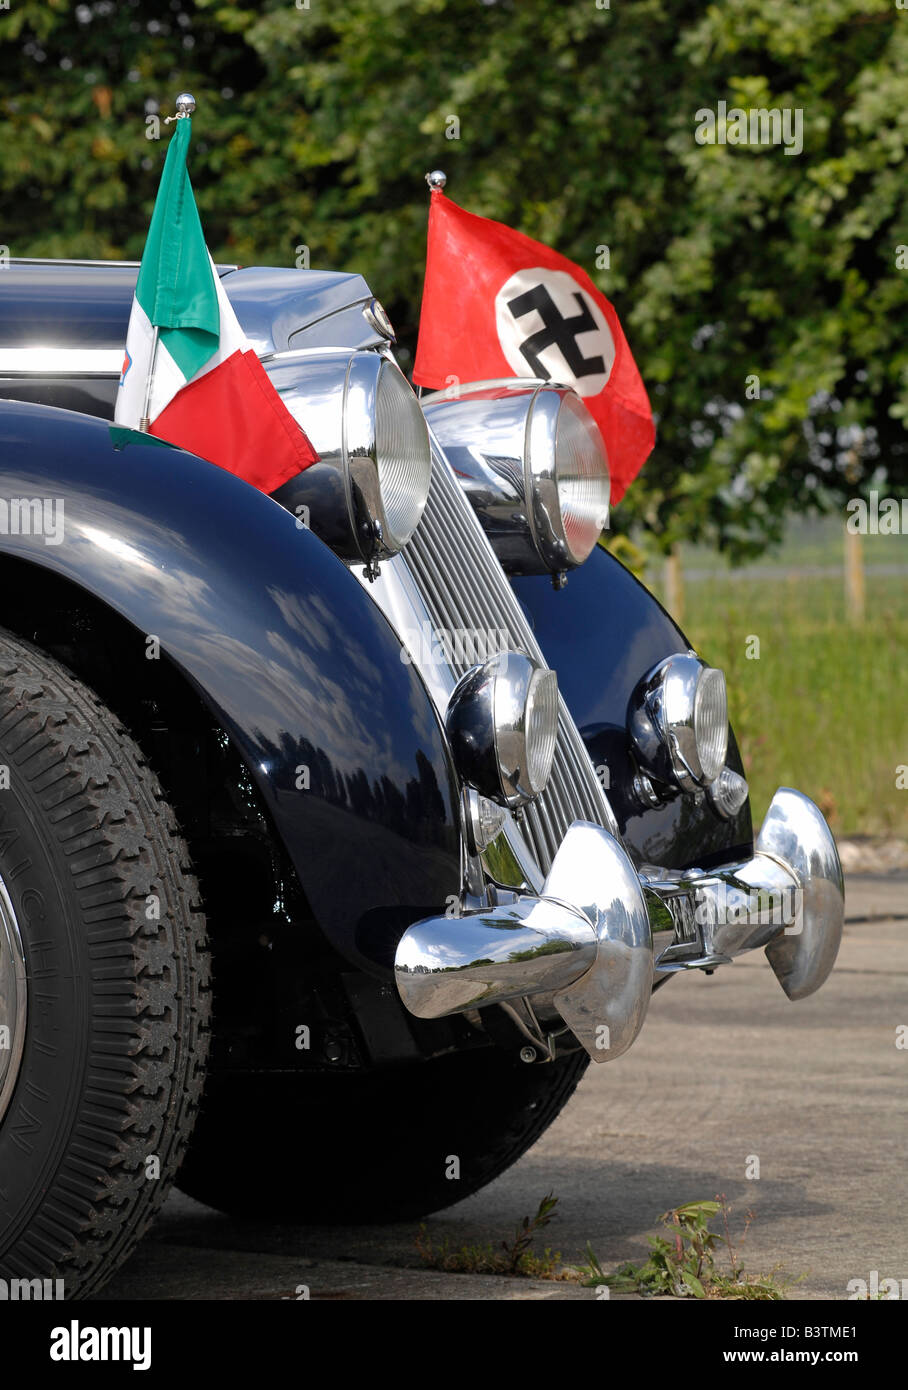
{"points": [[541, 727], [403, 456], [711, 722], [581, 478]]}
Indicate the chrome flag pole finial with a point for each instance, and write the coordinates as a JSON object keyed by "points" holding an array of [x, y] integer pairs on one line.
{"points": [[437, 179], [185, 104]]}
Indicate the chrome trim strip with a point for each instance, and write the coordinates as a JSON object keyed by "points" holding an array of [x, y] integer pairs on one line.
{"points": [[50, 361], [65, 260], [290, 355]]}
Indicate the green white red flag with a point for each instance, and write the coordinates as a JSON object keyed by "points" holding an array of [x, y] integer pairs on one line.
{"points": [[209, 393]]}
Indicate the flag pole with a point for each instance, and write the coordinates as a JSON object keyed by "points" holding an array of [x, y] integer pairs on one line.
{"points": [[145, 422], [185, 104], [436, 179]]}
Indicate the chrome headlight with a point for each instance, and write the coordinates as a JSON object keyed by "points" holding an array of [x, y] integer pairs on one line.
{"points": [[502, 723], [366, 494], [532, 462], [678, 722], [570, 479]]}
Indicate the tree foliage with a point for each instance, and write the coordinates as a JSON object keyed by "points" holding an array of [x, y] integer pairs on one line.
{"points": [[727, 263]]}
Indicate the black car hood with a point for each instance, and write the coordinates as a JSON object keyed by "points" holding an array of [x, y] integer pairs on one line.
{"points": [[68, 304]]}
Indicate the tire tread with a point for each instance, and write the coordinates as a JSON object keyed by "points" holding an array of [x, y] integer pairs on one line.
{"points": [[150, 996]]}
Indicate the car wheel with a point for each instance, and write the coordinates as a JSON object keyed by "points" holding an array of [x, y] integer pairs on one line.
{"points": [[390, 1145], [104, 996]]}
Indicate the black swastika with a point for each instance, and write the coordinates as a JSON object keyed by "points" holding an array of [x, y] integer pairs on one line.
{"points": [[558, 332]]}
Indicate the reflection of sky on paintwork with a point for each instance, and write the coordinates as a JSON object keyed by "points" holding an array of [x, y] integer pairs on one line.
{"points": [[147, 567], [116, 547], [360, 673], [312, 620]]}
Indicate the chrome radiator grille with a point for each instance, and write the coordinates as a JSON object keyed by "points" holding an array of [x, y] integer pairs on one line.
{"points": [[465, 589]]}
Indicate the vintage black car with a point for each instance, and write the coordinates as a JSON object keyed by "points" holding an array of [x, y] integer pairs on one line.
{"points": [[295, 777]]}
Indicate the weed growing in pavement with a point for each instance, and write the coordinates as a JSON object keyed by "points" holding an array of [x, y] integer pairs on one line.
{"points": [[684, 1264], [515, 1257]]}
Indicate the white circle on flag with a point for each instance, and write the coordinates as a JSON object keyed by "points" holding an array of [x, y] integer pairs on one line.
{"points": [[549, 326]]}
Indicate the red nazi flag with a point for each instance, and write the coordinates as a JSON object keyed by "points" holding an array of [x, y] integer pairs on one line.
{"points": [[496, 303]]}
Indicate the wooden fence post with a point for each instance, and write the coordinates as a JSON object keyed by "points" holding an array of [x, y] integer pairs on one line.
{"points": [[674, 583], [855, 596]]}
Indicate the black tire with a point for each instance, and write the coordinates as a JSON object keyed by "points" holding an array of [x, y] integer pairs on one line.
{"points": [[327, 1150], [116, 1027]]}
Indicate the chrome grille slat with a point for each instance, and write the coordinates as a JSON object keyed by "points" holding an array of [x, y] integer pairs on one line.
{"points": [[556, 812], [480, 614], [464, 587], [475, 604]]}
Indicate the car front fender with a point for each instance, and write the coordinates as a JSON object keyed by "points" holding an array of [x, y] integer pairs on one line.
{"points": [[601, 633], [289, 653]]}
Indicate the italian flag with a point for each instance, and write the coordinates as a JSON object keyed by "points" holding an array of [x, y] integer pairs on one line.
{"points": [[210, 393]]}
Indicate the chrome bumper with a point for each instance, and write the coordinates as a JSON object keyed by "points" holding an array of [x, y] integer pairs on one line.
{"points": [[601, 934]]}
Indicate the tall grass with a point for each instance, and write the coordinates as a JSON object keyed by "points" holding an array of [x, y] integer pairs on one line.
{"points": [[824, 707]]}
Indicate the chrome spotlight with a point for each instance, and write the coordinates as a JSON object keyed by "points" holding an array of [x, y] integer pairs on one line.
{"points": [[502, 723], [365, 496], [678, 722]]}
